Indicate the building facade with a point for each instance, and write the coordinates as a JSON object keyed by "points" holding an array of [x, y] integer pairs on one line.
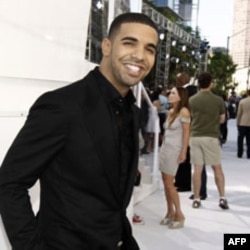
{"points": [[239, 42], [178, 48], [182, 7]]}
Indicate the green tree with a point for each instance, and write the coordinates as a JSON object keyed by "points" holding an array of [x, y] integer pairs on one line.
{"points": [[222, 68]]}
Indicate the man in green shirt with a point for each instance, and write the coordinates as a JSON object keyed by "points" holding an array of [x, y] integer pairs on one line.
{"points": [[207, 112]]}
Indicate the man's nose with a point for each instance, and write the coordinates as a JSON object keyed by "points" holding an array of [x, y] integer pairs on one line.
{"points": [[139, 53]]}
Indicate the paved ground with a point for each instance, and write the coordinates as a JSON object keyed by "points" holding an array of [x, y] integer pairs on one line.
{"points": [[205, 227]]}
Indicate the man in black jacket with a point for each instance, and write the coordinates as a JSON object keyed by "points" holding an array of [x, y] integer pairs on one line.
{"points": [[81, 143]]}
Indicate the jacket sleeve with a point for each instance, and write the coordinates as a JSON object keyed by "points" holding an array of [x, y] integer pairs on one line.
{"points": [[41, 137]]}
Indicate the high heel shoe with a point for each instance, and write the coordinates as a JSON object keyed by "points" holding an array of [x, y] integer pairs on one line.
{"points": [[176, 224], [166, 221]]}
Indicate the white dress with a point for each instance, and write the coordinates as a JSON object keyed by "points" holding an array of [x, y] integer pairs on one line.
{"points": [[172, 146], [152, 118]]}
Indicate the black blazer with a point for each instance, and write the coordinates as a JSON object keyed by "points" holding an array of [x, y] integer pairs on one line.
{"points": [[68, 144]]}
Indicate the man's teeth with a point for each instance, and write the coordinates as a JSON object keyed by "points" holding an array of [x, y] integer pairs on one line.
{"points": [[133, 67]]}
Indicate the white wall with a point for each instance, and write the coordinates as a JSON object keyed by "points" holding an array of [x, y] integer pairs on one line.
{"points": [[42, 47], [43, 39], [16, 97]]}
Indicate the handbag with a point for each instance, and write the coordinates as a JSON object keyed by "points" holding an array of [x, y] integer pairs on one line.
{"points": [[138, 178]]}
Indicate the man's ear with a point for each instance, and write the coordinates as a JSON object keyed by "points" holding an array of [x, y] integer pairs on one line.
{"points": [[106, 47]]}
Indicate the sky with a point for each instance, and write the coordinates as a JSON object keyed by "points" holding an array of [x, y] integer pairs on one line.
{"points": [[215, 20]]}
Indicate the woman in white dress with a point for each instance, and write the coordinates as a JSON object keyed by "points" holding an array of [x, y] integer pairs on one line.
{"points": [[152, 121], [173, 151]]}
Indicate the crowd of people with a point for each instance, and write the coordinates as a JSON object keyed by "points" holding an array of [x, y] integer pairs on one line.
{"points": [[198, 127], [81, 143], [200, 134]]}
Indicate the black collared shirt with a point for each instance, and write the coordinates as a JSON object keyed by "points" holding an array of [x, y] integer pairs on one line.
{"points": [[121, 112]]}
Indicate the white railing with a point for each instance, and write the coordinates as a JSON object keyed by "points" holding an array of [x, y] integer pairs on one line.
{"points": [[138, 91]]}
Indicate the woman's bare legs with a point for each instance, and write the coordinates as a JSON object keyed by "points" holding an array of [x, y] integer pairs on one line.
{"points": [[172, 198]]}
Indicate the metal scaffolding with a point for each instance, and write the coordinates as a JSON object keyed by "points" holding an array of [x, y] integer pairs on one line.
{"points": [[169, 31]]}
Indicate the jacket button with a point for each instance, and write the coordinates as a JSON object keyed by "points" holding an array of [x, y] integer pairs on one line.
{"points": [[119, 243]]}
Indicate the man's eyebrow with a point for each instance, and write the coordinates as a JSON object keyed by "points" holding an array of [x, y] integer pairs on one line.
{"points": [[153, 46], [130, 38]]}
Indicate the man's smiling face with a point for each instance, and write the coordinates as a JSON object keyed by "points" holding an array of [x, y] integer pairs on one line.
{"points": [[129, 55]]}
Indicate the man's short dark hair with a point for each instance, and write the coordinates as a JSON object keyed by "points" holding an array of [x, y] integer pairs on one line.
{"points": [[130, 17], [204, 80], [192, 89], [182, 79]]}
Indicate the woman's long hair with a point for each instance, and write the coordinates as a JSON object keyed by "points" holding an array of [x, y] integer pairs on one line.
{"points": [[183, 94]]}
